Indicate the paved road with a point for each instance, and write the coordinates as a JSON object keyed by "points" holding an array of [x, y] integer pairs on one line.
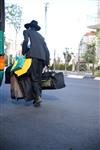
{"points": [[69, 119]]}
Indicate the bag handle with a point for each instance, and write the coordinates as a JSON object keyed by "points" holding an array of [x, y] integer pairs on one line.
{"points": [[45, 69]]}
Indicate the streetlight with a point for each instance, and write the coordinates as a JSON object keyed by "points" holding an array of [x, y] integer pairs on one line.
{"points": [[54, 62]]}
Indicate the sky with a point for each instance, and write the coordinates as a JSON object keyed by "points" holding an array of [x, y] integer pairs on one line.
{"points": [[67, 21]]}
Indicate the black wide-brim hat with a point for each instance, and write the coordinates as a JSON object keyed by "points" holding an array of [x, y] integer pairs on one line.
{"points": [[33, 24]]}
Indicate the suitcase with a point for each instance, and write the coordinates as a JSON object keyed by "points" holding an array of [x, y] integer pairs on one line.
{"points": [[16, 91], [52, 80]]}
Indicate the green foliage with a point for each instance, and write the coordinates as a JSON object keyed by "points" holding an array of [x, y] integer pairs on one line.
{"points": [[82, 67], [13, 14], [69, 67], [57, 66], [97, 68], [90, 53], [97, 74], [67, 56], [61, 67]]}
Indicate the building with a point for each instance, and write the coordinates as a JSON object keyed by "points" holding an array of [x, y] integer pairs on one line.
{"points": [[96, 27]]}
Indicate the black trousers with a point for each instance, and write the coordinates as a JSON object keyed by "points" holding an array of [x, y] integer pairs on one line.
{"points": [[36, 75]]}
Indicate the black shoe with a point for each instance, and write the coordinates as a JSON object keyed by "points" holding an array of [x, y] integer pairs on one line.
{"points": [[13, 97], [34, 101], [37, 102]]}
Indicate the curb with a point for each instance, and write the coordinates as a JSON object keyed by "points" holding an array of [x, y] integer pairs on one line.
{"points": [[81, 77], [75, 76]]}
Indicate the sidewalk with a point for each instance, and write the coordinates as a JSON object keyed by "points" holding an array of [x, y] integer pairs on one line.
{"points": [[79, 75], [82, 77], [75, 76]]}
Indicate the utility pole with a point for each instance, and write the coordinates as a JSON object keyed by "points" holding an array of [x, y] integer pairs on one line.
{"points": [[54, 62], [46, 9], [98, 13]]}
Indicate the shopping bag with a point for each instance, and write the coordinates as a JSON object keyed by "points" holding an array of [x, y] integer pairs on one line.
{"points": [[19, 62], [26, 85], [16, 91], [25, 67], [52, 80]]}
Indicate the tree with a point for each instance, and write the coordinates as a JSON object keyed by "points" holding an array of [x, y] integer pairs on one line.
{"points": [[13, 14], [67, 57], [90, 54]]}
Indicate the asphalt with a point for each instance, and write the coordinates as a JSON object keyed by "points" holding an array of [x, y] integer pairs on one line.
{"points": [[68, 119]]}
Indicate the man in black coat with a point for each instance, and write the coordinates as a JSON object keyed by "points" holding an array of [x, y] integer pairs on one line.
{"points": [[39, 53]]}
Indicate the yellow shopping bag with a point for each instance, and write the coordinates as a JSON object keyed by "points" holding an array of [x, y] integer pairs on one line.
{"points": [[25, 67]]}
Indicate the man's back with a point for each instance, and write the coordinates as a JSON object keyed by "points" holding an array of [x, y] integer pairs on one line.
{"points": [[37, 43]]}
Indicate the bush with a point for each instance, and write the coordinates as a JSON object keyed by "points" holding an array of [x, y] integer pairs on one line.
{"points": [[69, 67], [82, 67], [97, 68], [61, 67], [97, 74], [57, 66]]}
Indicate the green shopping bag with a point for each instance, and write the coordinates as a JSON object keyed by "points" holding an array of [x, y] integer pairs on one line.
{"points": [[19, 62]]}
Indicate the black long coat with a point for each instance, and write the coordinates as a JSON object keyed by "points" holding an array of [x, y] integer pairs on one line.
{"points": [[38, 48]]}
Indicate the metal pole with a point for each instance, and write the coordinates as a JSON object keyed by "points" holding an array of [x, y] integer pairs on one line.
{"points": [[98, 12], [66, 61], [46, 9], [54, 60]]}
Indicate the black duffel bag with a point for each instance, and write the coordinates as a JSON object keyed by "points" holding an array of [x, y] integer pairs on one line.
{"points": [[52, 80], [8, 74]]}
